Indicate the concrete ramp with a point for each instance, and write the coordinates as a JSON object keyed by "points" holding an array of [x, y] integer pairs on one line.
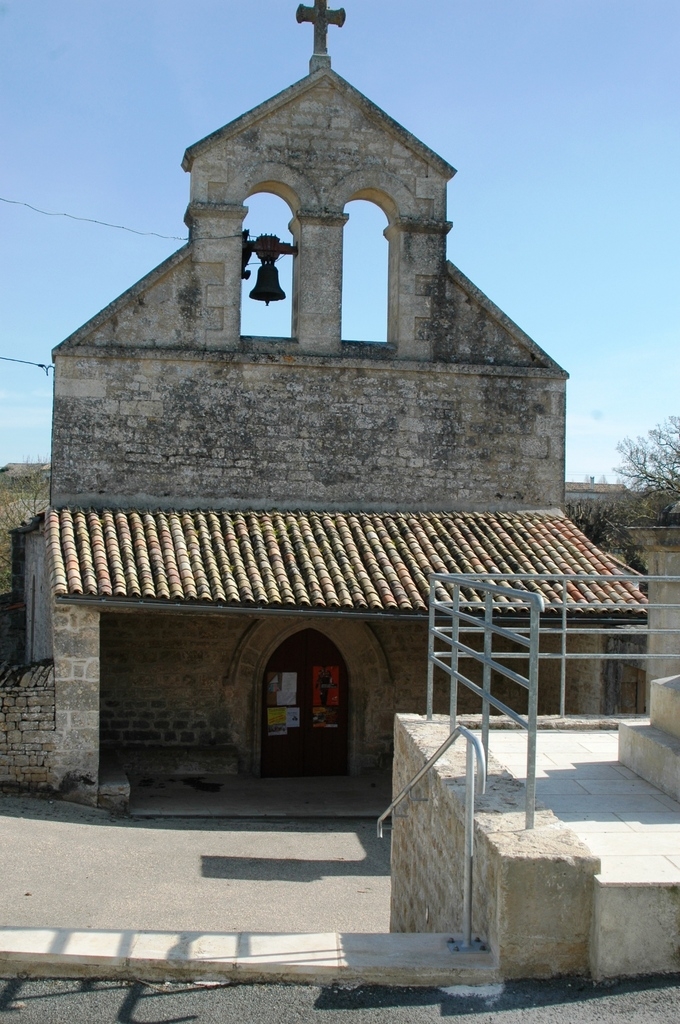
{"points": [[316, 958]]}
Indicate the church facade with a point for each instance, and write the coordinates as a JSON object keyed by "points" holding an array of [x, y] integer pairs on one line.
{"points": [[237, 555]]}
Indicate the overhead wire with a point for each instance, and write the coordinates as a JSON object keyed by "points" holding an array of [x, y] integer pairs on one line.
{"points": [[91, 220], [28, 363], [102, 223]]}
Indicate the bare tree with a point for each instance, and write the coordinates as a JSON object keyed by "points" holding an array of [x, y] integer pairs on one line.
{"points": [[652, 464]]}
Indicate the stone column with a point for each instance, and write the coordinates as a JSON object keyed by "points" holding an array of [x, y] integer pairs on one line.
{"points": [[317, 281], [216, 236], [662, 547], [76, 685], [417, 256]]}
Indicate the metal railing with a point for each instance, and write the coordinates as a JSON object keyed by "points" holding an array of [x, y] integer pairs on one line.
{"points": [[637, 615], [474, 752], [447, 656]]}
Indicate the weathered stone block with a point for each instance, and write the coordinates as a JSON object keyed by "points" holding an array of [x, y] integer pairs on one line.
{"points": [[532, 891], [665, 705]]}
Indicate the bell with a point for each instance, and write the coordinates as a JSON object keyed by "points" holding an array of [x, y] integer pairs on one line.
{"points": [[267, 288]]}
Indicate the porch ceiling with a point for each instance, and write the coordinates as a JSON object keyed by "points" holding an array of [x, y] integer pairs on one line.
{"points": [[353, 561]]}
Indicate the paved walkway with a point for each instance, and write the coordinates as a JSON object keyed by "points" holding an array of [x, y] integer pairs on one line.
{"points": [[73, 867], [632, 826]]}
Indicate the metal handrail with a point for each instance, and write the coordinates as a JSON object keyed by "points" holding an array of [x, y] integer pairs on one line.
{"points": [[474, 752], [564, 610], [448, 660]]}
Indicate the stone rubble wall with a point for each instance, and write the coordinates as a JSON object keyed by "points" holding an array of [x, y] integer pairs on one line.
{"points": [[532, 891], [26, 727]]}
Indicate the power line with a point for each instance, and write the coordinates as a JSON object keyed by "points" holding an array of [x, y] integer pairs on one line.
{"points": [[27, 362], [91, 220]]}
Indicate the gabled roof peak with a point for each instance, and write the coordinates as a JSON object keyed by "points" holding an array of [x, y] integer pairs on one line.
{"points": [[311, 81]]}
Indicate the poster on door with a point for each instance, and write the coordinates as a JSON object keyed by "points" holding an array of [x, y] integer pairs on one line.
{"points": [[324, 718], [281, 689], [277, 722], [326, 686]]}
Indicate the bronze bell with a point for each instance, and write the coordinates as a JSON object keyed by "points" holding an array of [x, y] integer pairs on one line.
{"points": [[267, 288]]}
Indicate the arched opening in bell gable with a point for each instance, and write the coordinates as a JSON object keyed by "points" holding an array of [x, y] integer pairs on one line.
{"points": [[268, 214], [364, 273]]}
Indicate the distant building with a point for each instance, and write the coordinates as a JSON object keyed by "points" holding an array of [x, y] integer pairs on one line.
{"points": [[588, 490], [17, 470]]}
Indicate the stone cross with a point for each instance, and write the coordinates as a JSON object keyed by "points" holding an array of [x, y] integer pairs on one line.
{"points": [[321, 18]]}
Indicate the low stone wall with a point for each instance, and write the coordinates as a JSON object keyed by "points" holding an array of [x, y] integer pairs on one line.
{"points": [[26, 727], [532, 891]]}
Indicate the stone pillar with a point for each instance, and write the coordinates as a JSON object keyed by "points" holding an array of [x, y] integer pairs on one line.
{"points": [[662, 548], [76, 684], [216, 236], [417, 255], [317, 281]]}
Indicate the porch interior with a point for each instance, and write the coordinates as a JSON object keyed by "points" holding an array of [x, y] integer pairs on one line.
{"points": [[245, 796]]}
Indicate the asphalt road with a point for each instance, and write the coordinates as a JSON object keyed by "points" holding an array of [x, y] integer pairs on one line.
{"points": [[649, 1001]]}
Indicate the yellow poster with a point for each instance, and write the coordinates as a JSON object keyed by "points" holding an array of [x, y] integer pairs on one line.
{"points": [[276, 722]]}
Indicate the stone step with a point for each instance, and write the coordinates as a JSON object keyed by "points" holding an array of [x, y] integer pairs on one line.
{"points": [[323, 958]]}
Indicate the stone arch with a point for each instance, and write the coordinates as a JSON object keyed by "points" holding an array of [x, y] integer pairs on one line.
{"points": [[276, 188], [371, 688], [381, 187], [380, 199], [288, 183]]}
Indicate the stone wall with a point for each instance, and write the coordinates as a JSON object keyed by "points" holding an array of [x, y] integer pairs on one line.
{"points": [[27, 724], [183, 680], [275, 428], [165, 681], [532, 891], [76, 684]]}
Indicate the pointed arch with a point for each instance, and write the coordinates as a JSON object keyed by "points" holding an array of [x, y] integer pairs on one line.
{"points": [[368, 674]]}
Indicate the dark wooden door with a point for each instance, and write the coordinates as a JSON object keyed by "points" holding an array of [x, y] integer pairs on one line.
{"points": [[304, 708]]}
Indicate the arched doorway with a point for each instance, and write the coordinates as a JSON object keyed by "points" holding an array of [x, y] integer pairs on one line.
{"points": [[304, 708]]}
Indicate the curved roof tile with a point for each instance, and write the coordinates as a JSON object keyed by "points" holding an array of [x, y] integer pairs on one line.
{"points": [[353, 561]]}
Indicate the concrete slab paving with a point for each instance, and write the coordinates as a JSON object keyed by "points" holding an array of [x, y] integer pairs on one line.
{"points": [[626, 821]]}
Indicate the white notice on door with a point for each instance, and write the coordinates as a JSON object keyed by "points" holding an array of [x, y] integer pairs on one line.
{"points": [[292, 718], [288, 692]]}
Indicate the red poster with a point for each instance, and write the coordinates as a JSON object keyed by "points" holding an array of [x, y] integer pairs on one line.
{"points": [[326, 686]]}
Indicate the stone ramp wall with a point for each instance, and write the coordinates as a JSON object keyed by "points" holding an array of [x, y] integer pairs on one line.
{"points": [[26, 727], [532, 891]]}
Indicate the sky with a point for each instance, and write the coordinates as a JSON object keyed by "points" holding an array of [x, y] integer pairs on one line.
{"points": [[561, 116]]}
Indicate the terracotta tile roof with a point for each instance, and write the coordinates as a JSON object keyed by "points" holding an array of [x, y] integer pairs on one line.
{"points": [[350, 561]]}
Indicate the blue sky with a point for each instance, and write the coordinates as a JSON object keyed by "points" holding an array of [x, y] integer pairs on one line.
{"points": [[562, 117]]}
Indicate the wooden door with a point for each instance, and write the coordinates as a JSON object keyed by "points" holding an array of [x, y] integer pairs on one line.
{"points": [[304, 708]]}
